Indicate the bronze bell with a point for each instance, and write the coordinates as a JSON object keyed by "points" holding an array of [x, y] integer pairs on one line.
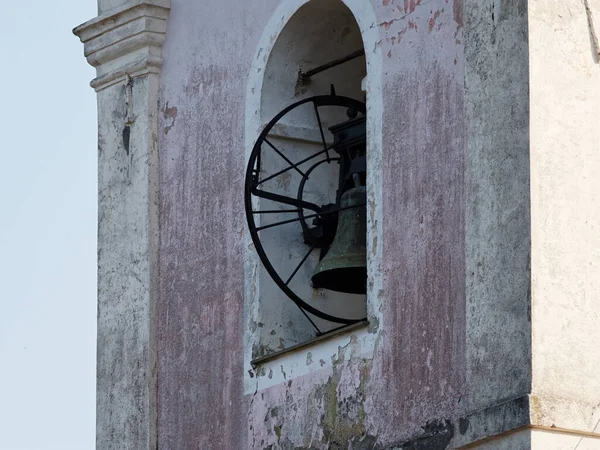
{"points": [[344, 267]]}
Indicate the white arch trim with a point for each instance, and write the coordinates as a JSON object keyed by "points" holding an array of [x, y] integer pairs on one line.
{"points": [[365, 17]]}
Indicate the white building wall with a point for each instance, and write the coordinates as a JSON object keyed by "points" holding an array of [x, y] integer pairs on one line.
{"points": [[565, 209]]}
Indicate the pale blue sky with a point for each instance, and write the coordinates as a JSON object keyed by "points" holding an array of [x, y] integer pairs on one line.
{"points": [[47, 228]]}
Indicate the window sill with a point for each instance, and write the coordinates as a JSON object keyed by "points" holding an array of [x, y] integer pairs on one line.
{"points": [[326, 336]]}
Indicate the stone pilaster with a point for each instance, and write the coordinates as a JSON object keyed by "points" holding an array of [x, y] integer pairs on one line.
{"points": [[124, 44], [533, 246]]}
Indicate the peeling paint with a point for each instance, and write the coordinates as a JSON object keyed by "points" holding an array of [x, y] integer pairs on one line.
{"points": [[169, 116], [433, 19], [417, 230], [436, 436]]}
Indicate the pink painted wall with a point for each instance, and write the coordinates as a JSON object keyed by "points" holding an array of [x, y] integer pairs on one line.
{"points": [[421, 365], [207, 54], [413, 386]]}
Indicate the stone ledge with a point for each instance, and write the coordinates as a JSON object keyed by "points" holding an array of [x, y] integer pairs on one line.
{"points": [[565, 413], [125, 41], [498, 419], [526, 412]]}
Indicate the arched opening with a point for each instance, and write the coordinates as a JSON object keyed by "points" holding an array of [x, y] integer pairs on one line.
{"points": [[320, 32]]}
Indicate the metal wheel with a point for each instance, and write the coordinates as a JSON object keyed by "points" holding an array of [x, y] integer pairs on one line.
{"points": [[263, 185]]}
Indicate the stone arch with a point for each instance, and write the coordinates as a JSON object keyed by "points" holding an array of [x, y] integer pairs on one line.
{"points": [[262, 102]]}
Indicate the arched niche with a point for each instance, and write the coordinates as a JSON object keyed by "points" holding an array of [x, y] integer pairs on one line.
{"points": [[317, 32]]}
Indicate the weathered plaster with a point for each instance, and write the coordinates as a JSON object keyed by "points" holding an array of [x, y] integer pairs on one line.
{"points": [[127, 271], [565, 194], [421, 368], [558, 440], [125, 41], [200, 362], [118, 44], [519, 440], [533, 437], [497, 202], [413, 354]]}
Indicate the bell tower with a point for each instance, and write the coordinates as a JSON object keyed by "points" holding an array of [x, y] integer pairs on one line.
{"points": [[347, 224]]}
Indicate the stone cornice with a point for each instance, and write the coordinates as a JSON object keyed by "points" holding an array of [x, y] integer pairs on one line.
{"points": [[534, 412], [125, 41]]}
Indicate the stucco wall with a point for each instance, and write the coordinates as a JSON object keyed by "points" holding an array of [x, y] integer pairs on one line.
{"points": [[406, 371], [418, 375], [127, 269], [565, 162], [201, 137], [497, 202]]}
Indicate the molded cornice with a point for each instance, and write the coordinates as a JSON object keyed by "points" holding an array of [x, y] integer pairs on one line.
{"points": [[125, 41]]}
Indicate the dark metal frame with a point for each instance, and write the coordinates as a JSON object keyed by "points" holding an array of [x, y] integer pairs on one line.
{"points": [[334, 63], [253, 182]]}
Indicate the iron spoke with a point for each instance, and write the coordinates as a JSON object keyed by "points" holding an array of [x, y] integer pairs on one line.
{"points": [[300, 265], [286, 200], [292, 165], [275, 211], [270, 177], [310, 216], [321, 130], [310, 320]]}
